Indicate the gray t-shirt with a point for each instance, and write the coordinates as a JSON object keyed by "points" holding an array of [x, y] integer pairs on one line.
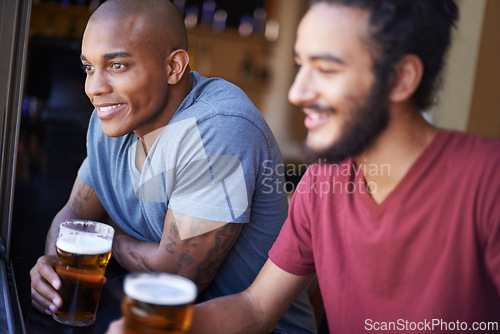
{"points": [[216, 160]]}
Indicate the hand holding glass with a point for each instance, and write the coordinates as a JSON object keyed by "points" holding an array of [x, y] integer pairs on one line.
{"points": [[83, 252]]}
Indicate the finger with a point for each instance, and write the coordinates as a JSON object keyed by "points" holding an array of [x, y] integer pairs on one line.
{"points": [[50, 276], [45, 294], [41, 304], [45, 268], [41, 290]]}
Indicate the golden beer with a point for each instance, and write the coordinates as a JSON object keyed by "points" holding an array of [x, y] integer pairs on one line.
{"points": [[157, 303], [83, 252]]}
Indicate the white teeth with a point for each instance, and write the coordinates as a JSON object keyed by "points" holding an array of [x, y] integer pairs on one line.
{"points": [[314, 116], [109, 107]]}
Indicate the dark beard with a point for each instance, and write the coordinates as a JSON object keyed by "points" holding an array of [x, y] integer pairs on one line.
{"points": [[369, 118]]}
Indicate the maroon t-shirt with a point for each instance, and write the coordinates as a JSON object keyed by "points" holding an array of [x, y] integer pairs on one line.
{"points": [[425, 260]]}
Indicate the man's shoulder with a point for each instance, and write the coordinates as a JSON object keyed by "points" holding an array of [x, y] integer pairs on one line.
{"points": [[223, 98], [215, 88], [471, 147], [468, 157]]}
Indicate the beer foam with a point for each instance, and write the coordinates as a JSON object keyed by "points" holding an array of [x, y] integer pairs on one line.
{"points": [[84, 244], [160, 289]]}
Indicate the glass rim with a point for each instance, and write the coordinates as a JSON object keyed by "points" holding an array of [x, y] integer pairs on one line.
{"points": [[185, 288], [104, 228], [80, 236]]}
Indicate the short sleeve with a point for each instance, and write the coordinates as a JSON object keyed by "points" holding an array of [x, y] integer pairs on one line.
{"points": [[292, 250], [211, 167], [212, 188], [84, 172]]}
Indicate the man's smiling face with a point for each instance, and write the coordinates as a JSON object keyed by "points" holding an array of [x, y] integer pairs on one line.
{"points": [[126, 74], [335, 85]]}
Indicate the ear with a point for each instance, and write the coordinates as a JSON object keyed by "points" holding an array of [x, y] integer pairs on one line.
{"points": [[177, 62], [407, 76]]}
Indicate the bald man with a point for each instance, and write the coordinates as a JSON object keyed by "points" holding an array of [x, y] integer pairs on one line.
{"points": [[184, 167]]}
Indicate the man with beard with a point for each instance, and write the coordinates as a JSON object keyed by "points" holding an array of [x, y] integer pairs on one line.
{"points": [[399, 220]]}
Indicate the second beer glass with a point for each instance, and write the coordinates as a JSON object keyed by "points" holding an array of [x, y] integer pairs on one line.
{"points": [[157, 303], [83, 252]]}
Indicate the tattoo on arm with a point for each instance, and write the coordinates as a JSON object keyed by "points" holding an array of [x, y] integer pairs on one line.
{"points": [[205, 271], [224, 240], [172, 239], [84, 193], [185, 259]]}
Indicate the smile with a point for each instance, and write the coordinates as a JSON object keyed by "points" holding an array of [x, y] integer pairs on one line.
{"points": [[107, 112], [316, 119], [108, 108], [315, 116]]}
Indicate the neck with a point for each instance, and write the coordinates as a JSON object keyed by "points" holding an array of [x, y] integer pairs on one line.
{"points": [[177, 94], [149, 139], [394, 152], [144, 146]]}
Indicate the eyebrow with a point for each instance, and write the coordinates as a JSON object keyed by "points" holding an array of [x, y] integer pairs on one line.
{"points": [[112, 55], [323, 56]]}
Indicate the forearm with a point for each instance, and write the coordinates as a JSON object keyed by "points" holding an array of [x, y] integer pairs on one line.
{"points": [[230, 314], [256, 310], [186, 258], [134, 255], [196, 257]]}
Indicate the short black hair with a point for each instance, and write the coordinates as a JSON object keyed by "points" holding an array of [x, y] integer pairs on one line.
{"points": [[401, 27]]}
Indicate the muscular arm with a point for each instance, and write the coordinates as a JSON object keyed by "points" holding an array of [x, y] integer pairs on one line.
{"points": [[197, 256], [256, 310], [83, 203]]}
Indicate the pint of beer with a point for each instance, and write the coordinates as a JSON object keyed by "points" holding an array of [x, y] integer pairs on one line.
{"points": [[157, 303], [83, 251]]}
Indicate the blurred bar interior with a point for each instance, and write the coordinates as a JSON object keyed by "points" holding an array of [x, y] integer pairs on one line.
{"points": [[247, 42]]}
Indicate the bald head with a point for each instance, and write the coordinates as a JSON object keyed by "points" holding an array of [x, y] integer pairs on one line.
{"points": [[160, 17]]}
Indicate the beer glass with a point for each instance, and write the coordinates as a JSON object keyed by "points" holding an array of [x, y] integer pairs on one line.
{"points": [[157, 303], [83, 252]]}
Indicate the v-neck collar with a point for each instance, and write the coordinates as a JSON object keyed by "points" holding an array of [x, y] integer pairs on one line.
{"points": [[409, 181]]}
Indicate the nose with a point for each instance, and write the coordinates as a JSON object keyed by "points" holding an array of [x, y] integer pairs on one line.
{"points": [[97, 84], [302, 89]]}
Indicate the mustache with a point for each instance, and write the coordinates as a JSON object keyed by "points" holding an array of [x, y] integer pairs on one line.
{"points": [[317, 108]]}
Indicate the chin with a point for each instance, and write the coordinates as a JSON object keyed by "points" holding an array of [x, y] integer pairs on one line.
{"points": [[317, 144], [313, 153], [332, 154], [113, 132]]}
